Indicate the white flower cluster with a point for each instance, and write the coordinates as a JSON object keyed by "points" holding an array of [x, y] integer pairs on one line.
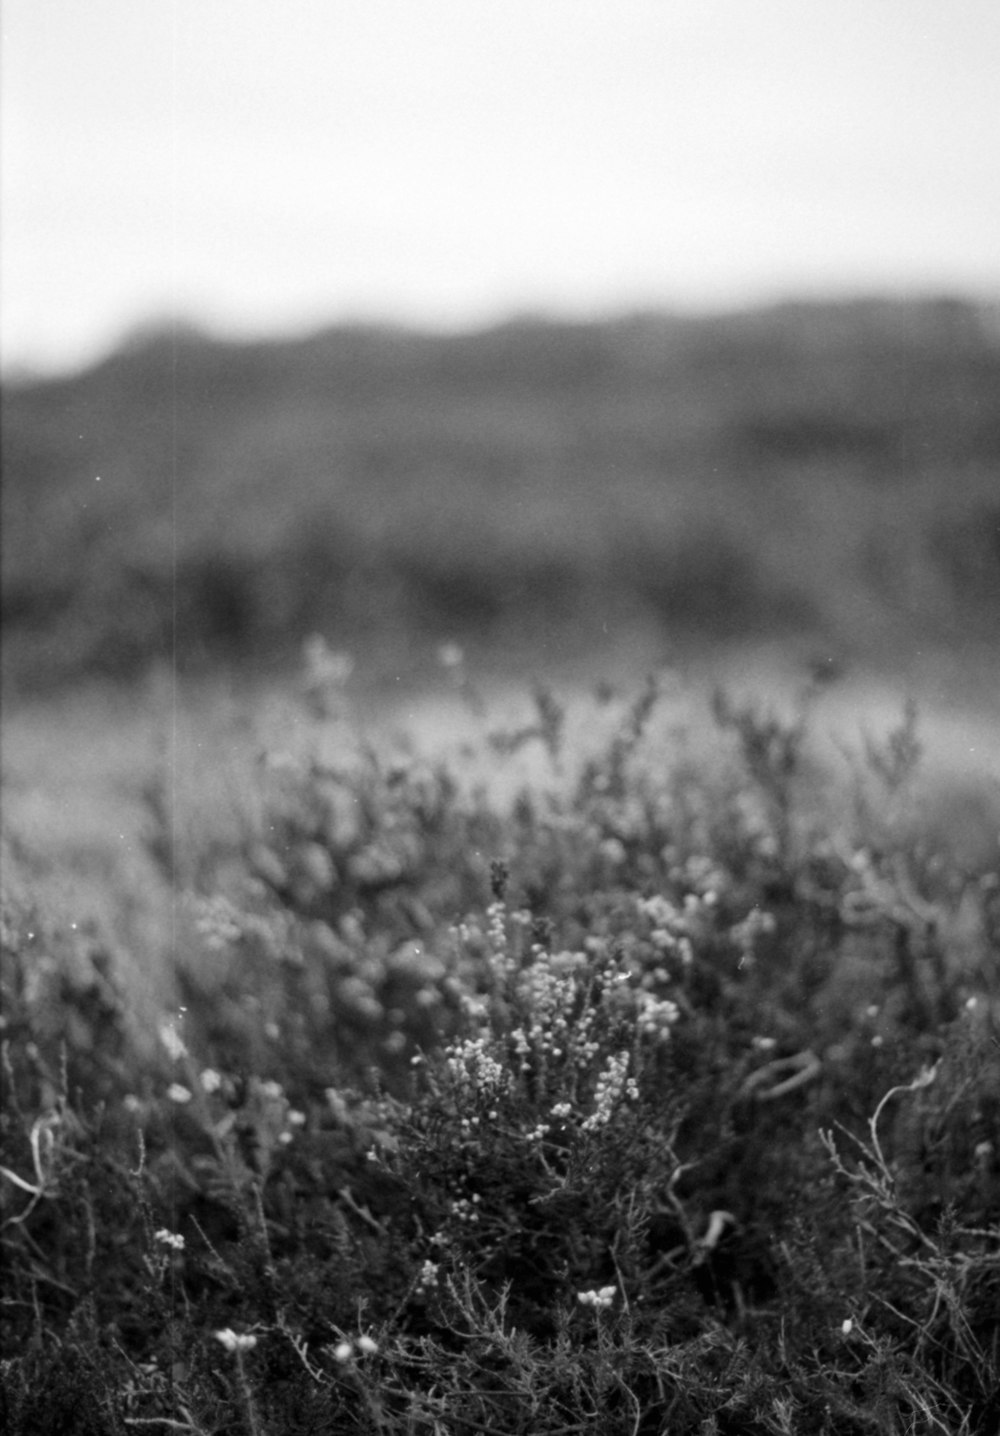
{"points": [[428, 1277], [600, 1300], [561, 1023], [612, 1085], [502, 961], [218, 922], [496, 917], [463, 1209], [235, 1341], [169, 1239], [363, 1345], [549, 995], [472, 1067], [537, 1134], [671, 927], [655, 1016]]}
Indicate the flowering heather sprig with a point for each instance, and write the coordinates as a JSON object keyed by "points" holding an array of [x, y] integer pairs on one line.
{"points": [[218, 922], [558, 1032], [474, 1069], [671, 927], [502, 962], [655, 1016], [428, 1278], [550, 996], [613, 1085]]}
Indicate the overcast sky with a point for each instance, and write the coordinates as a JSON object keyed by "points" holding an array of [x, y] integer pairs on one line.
{"points": [[267, 167]]}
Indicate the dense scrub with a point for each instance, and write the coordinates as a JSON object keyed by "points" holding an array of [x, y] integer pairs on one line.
{"points": [[825, 470], [652, 1097]]}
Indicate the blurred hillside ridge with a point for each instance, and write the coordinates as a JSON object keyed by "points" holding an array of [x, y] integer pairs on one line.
{"points": [[829, 472]]}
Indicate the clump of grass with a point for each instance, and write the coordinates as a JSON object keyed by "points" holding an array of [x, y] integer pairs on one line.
{"points": [[647, 1098]]}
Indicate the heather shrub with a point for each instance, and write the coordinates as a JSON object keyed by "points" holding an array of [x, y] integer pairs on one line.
{"points": [[646, 1095]]}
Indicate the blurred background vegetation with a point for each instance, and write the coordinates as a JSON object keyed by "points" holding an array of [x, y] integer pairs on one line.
{"points": [[822, 474]]}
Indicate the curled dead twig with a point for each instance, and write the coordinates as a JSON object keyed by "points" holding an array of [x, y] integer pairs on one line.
{"points": [[802, 1067]]}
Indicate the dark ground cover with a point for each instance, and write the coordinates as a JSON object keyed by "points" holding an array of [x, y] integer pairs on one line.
{"points": [[820, 470], [660, 1095]]}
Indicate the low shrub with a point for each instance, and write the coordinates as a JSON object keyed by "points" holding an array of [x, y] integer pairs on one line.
{"points": [[648, 1097]]}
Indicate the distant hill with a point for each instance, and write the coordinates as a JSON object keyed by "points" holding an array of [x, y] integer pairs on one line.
{"points": [[824, 470]]}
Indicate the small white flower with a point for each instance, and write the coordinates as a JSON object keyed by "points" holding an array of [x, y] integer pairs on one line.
{"points": [[210, 1080], [169, 1239], [367, 1346], [172, 1041], [234, 1341], [600, 1300], [343, 1351], [428, 1275], [846, 1327], [177, 1093]]}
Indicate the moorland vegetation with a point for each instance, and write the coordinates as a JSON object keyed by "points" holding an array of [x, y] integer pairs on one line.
{"points": [[593, 1076], [654, 1097]]}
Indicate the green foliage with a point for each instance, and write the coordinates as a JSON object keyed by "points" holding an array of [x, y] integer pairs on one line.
{"points": [[640, 1097]]}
